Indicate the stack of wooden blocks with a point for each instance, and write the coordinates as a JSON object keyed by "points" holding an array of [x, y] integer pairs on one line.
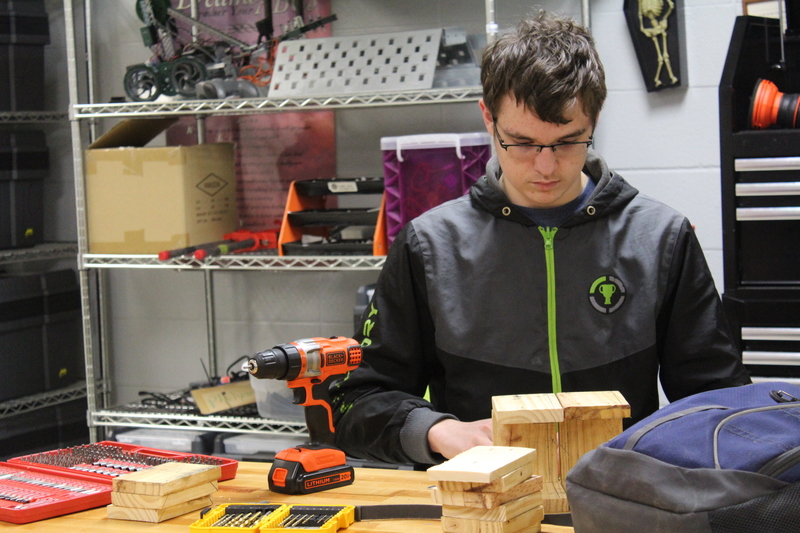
{"points": [[489, 489], [163, 492], [561, 427]]}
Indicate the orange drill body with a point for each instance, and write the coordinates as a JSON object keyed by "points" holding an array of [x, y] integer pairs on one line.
{"points": [[310, 366]]}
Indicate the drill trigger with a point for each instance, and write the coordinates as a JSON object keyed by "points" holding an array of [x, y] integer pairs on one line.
{"points": [[299, 395]]}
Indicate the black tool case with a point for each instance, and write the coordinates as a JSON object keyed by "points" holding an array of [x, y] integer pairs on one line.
{"points": [[41, 338], [24, 164], [24, 32]]}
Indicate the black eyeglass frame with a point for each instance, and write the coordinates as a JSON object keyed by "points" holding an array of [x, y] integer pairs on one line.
{"points": [[540, 147]]}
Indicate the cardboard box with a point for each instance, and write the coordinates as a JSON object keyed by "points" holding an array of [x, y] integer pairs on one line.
{"points": [[143, 200]]}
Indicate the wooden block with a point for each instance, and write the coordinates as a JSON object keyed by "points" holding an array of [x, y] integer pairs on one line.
{"points": [[482, 464], [579, 437], [489, 500], [527, 521], [597, 405], [142, 501], [543, 437], [166, 478], [500, 513], [527, 409], [156, 515], [222, 397], [555, 498], [501, 484]]}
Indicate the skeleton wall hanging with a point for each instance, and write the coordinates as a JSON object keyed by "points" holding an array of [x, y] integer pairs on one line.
{"points": [[656, 28]]}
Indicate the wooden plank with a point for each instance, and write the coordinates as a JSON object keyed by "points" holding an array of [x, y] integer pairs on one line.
{"points": [[555, 498], [142, 501], [166, 478], [156, 515], [482, 464], [214, 399], [527, 521], [488, 500], [501, 484], [594, 405], [527, 409], [501, 513]]}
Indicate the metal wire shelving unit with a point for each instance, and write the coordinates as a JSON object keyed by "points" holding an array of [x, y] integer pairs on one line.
{"points": [[244, 106], [85, 114]]}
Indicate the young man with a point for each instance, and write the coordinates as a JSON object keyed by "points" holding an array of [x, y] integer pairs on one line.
{"points": [[553, 274]]}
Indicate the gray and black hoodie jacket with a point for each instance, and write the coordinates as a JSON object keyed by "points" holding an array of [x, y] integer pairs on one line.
{"points": [[476, 301]]}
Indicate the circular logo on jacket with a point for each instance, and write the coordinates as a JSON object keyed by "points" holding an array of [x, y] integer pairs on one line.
{"points": [[607, 294]]}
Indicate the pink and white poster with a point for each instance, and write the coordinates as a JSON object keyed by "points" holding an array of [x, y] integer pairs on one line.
{"points": [[272, 149]]}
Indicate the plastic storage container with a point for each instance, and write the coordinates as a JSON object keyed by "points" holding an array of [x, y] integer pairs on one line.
{"points": [[41, 337], [24, 163], [24, 30], [176, 440], [423, 171], [274, 401], [255, 446]]}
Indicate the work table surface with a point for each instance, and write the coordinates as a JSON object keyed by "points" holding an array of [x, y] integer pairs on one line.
{"points": [[371, 487]]}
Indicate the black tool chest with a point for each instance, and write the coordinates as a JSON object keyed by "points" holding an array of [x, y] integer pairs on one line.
{"points": [[760, 171]]}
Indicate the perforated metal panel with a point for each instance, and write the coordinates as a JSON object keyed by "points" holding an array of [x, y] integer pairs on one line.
{"points": [[358, 64]]}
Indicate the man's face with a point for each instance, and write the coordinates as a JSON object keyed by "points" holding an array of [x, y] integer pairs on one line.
{"points": [[549, 178]]}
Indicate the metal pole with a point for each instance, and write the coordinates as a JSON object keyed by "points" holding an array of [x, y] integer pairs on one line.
{"points": [[90, 81], [80, 202], [491, 23], [586, 14]]}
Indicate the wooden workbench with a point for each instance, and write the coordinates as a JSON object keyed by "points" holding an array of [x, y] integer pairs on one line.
{"points": [[371, 486]]}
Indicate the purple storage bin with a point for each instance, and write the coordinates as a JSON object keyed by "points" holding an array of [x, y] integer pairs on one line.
{"points": [[423, 171]]}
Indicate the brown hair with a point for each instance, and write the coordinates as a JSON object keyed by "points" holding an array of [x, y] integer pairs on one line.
{"points": [[546, 64]]}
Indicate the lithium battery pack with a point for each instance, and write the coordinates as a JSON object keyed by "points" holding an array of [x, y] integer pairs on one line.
{"points": [[307, 469]]}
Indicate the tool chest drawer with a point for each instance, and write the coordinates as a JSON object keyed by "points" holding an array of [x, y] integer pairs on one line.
{"points": [[768, 219], [766, 325]]}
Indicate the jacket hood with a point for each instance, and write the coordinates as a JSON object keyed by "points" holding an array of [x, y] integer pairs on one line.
{"points": [[611, 193]]}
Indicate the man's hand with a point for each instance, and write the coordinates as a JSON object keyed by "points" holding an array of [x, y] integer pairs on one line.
{"points": [[451, 437]]}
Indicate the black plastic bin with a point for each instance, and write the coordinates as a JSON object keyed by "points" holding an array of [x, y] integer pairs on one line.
{"points": [[41, 338], [24, 31], [24, 164]]}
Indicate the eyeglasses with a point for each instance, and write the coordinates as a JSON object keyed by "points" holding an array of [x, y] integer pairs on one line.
{"points": [[563, 150]]}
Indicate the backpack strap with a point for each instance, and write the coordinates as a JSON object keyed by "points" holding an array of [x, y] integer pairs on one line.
{"points": [[633, 440], [785, 405]]}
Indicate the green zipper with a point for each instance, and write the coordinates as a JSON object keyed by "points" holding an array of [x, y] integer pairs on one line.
{"points": [[549, 256]]}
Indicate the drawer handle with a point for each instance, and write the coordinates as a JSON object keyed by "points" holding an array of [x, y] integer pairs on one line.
{"points": [[771, 334], [766, 163], [770, 358], [768, 189], [767, 213]]}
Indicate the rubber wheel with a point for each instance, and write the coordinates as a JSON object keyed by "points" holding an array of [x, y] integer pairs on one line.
{"points": [[187, 72], [142, 84]]}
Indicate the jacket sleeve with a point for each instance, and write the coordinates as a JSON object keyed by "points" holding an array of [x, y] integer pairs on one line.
{"points": [[379, 410], [696, 348]]}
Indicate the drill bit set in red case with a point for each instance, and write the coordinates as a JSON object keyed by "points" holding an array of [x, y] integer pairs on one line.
{"points": [[53, 483]]}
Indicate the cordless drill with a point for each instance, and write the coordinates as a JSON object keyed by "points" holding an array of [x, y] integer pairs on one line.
{"points": [[310, 367]]}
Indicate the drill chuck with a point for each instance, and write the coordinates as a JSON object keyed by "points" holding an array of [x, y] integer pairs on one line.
{"points": [[281, 362]]}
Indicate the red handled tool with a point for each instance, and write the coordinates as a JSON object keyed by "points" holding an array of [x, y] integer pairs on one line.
{"points": [[238, 241]]}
